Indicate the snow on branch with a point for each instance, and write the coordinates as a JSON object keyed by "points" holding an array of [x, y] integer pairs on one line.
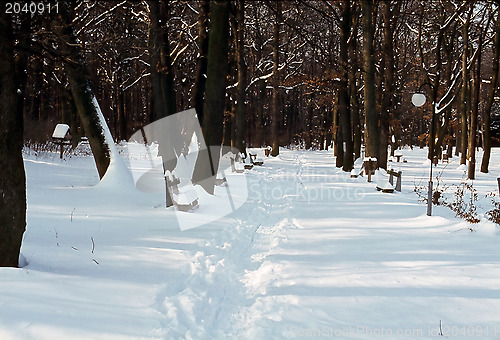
{"points": [[98, 19], [136, 81], [253, 81], [449, 97]]}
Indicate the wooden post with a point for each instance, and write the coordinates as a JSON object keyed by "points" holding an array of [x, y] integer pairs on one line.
{"points": [[369, 169], [398, 181]]}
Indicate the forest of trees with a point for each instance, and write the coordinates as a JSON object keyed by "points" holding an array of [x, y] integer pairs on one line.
{"points": [[302, 73], [299, 72]]}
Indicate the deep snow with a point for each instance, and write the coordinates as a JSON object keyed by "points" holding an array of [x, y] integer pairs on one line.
{"points": [[311, 253]]}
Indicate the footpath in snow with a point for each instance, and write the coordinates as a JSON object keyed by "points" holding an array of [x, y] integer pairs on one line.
{"points": [[311, 254]]}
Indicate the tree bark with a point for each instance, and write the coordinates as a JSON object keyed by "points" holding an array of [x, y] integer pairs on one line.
{"points": [[338, 149], [371, 119], [276, 81], [388, 77], [464, 91], [215, 96], [240, 114], [162, 80], [474, 112], [197, 100], [76, 70], [353, 92], [491, 98], [12, 180], [344, 103]]}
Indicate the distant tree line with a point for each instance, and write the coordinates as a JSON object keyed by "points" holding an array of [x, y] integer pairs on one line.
{"points": [[301, 72]]}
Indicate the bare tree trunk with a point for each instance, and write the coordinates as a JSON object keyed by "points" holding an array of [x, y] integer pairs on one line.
{"points": [[76, 70], [162, 80], [474, 113], [338, 148], [259, 113], [371, 119], [388, 76], [276, 81], [443, 127], [328, 129], [343, 94], [122, 118], [215, 96], [353, 92], [161, 66], [201, 63], [240, 114], [464, 90], [12, 180], [491, 97]]}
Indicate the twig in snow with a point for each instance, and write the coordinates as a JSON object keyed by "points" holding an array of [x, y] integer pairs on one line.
{"points": [[93, 244]]}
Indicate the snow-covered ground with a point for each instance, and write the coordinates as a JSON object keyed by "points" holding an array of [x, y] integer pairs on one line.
{"points": [[312, 253]]}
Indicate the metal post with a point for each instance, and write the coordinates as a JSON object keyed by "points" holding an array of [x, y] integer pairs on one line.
{"points": [[429, 194], [429, 200], [418, 100]]}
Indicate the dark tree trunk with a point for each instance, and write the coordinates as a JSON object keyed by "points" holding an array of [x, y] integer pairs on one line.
{"points": [[161, 66], [12, 180], [122, 118], [474, 112], [371, 120], [276, 81], [215, 96], [464, 92], [344, 103], [491, 98], [328, 128], [162, 79], [338, 149], [443, 127], [201, 62], [76, 70], [259, 114], [309, 128], [240, 114], [388, 77], [68, 106], [353, 93]]}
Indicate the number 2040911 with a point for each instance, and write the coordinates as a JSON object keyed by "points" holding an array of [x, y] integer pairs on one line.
{"points": [[31, 7]]}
